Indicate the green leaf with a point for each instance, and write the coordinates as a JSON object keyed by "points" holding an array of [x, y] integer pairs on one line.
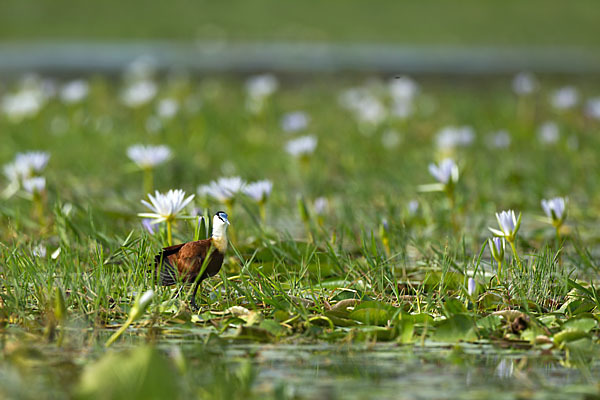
{"points": [[380, 333], [459, 327], [273, 327], [371, 316], [582, 324], [254, 334], [142, 373], [374, 304], [489, 323], [577, 306], [454, 306], [406, 328], [340, 318], [569, 335], [580, 351]]}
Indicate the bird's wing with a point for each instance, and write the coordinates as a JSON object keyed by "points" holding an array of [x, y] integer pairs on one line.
{"points": [[191, 256], [164, 268]]}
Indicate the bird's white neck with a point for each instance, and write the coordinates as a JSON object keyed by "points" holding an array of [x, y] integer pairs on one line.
{"points": [[219, 234]]}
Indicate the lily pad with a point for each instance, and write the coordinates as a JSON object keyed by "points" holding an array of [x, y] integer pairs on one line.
{"points": [[371, 316], [582, 324], [142, 373], [459, 327]]}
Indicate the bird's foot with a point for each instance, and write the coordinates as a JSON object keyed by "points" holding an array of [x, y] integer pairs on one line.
{"points": [[193, 305]]}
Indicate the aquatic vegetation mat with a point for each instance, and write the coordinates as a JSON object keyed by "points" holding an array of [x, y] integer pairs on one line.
{"points": [[387, 237]]}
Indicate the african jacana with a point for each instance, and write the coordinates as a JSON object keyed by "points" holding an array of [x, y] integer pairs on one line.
{"points": [[186, 260]]}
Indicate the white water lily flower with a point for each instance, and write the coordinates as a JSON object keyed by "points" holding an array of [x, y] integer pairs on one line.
{"points": [[74, 91], [497, 246], [259, 191], [39, 251], [223, 189], [321, 205], [454, 136], [25, 103], [370, 111], [294, 121], [524, 83], [367, 108], [26, 165], [403, 91], [148, 156], [555, 210], [261, 86], [509, 225], [549, 132], [35, 184], [403, 88], [446, 172], [499, 140], [166, 206], [35, 160], [565, 98], [258, 89], [167, 108], [16, 172], [592, 108], [301, 146], [471, 286], [139, 93]]}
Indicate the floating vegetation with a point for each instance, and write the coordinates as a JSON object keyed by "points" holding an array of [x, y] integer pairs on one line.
{"points": [[348, 273]]}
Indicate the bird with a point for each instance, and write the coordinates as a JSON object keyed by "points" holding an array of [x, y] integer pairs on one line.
{"points": [[186, 260]]}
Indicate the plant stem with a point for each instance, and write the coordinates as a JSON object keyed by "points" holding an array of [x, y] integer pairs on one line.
{"points": [[170, 232], [229, 209], [499, 272], [262, 211], [514, 250], [38, 209], [118, 333], [558, 244], [452, 201], [148, 180]]}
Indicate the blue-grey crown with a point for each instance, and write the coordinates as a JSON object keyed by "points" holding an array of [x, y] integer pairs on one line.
{"points": [[223, 216]]}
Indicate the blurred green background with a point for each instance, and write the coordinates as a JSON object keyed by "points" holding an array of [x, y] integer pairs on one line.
{"points": [[424, 22]]}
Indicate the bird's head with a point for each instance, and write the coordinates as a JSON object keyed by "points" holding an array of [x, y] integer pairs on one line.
{"points": [[220, 220]]}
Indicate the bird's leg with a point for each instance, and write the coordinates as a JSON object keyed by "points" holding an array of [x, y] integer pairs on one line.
{"points": [[193, 304]]}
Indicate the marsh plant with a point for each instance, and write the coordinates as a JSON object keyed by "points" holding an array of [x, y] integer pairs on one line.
{"points": [[302, 148], [260, 191], [351, 253], [446, 173], [556, 212], [497, 246], [147, 158], [167, 207], [225, 190], [509, 226], [137, 311]]}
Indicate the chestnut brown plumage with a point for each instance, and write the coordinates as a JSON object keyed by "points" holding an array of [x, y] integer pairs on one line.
{"points": [[185, 261]]}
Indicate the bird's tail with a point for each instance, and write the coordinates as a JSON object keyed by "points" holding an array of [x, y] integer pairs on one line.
{"points": [[164, 271]]}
